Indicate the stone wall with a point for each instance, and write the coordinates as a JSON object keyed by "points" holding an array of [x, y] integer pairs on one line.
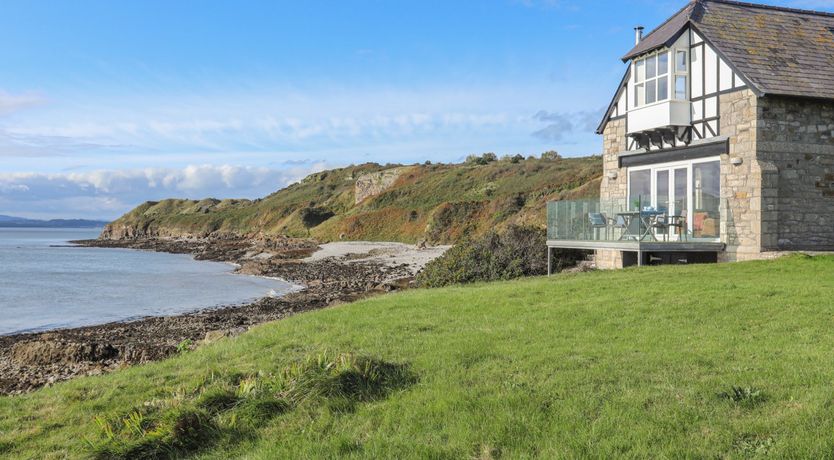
{"points": [[796, 138], [741, 185], [613, 143]]}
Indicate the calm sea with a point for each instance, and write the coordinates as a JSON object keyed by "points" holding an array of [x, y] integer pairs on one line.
{"points": [[46, 287]]}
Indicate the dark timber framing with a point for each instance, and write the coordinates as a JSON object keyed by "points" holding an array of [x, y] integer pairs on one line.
{"points": [[690, 152]]}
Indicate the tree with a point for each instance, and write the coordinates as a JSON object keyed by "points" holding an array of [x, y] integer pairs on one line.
{"points": [[551, 155]]}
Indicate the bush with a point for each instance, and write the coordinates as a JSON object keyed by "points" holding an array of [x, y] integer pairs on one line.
{"points": [[551, 155], [514, 159], [312, 216], [520, 251], [484, 159]]}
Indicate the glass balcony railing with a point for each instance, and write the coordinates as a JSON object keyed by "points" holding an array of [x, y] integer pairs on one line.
{"points": [[616, 220]]}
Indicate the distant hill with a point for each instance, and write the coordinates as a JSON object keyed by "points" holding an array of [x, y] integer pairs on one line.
{"points": [[438, 202], [19, 222]]}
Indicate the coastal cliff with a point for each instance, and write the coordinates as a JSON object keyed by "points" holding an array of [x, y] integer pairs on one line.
{"points": [[438, 203]]}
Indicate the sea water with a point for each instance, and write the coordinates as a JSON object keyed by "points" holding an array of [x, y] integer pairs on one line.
{"points": [[46, 284]]}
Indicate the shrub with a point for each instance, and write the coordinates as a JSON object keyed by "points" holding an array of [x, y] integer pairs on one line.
{"points": [[514, 159], [520, 251], [312, 216], [551, 155], [484, 159]]}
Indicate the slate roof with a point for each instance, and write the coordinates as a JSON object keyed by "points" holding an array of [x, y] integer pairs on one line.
{"points": [[780, 51]]}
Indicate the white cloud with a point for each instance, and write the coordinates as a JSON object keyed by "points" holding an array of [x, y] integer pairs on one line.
{"points": [[14, 102], [109, 193], [561, 125]]}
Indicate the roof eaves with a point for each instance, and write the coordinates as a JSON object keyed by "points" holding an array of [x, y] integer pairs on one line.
{"points": [[638, 50], [672, 39]]}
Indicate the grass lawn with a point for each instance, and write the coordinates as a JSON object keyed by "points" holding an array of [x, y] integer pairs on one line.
{"points": [[733, 360]]}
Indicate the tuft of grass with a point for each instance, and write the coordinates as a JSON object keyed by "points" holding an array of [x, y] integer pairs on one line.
{"points": [[232, 408], [748, 397], [184, 346], [754, 445]]}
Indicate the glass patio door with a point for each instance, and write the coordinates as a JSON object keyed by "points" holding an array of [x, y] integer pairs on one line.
{"points": [[670, 194]]}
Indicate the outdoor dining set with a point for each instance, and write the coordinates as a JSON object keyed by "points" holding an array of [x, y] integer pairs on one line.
{"points": [[638, 225]]}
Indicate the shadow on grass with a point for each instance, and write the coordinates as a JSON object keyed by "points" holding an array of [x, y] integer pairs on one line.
{"points": [[229, 410]]}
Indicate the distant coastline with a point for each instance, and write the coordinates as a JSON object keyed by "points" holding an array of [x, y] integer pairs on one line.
{"points": [[20, 222]]}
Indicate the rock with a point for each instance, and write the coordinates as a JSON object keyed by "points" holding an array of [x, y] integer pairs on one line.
{"points": [[51, 352], [372, 184]]}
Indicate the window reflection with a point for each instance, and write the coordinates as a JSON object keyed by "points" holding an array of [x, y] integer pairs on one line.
{"points": [[706, 197], [640, 189]]}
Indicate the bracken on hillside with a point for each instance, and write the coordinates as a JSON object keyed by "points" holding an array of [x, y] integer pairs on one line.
{"points": [[440, 203]]}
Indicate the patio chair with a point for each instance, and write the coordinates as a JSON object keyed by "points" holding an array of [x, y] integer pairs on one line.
{"points": [[598, 221], [621, 222], [679, 224], [660, 223]]}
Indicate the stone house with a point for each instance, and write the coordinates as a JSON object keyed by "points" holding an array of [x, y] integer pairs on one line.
{"points": [[718, 144]]}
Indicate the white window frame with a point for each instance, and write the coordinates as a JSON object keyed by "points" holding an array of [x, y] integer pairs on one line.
{"points": [[671, 166], [673, 86], [641, 80]]}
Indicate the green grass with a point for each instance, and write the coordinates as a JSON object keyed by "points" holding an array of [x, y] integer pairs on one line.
{"points": [[711, 361]]}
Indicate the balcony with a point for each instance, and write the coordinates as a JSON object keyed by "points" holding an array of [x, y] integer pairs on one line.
{"points": [[617, 225], [660, 115]]}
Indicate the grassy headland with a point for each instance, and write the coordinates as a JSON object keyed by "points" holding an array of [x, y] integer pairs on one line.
{"points": [[439, 202], [686, 361]]}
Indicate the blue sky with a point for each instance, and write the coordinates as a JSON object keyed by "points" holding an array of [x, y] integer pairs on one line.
{"points": [[107, 104]]}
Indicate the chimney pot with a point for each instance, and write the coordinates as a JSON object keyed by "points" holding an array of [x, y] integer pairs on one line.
{"points": [[638, 35]]}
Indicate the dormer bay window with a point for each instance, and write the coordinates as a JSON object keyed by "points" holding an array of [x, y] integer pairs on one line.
{"points": [[651, 79]]}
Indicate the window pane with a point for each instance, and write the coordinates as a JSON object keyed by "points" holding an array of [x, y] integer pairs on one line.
{"points": [[662, 181], [651, 67], [680, 88], [663, 63], [680, 65], [639, 189], [680, 191], [651, 91], [639, 95], [639, 70], [706, 197], [662, 88]]}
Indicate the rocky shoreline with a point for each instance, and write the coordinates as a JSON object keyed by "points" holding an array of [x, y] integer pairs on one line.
{"points": [[30, 361]]}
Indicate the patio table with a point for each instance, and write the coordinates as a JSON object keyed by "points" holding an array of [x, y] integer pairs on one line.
{"points": [[633, 230]]}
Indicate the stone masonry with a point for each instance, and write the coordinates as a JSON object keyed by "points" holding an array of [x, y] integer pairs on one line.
{"points": [[614, 142], [796, 137], [741, 185]]}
